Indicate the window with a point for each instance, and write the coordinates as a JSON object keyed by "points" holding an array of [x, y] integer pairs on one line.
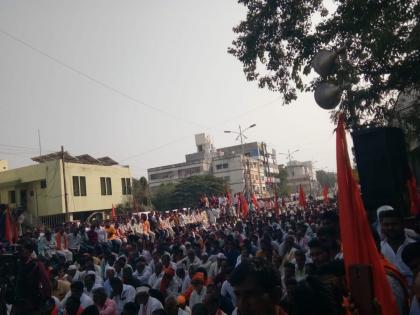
{"points": [[79, 185], [221, 166], [126, 186], [106, 186], [82, 180], [43, 183], [76, 186], [103, 186], [12, 196]]}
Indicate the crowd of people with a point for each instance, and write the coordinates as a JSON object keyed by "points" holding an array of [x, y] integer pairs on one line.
{"points": [[213, 260]]}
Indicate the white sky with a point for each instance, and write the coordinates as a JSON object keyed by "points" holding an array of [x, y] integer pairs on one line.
{"points": [[159, 73]]}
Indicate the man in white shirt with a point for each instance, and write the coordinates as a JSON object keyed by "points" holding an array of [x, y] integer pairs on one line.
{"points": [[121, 293], [143, 272], [76, 289], [147, 303], [395, 241]]}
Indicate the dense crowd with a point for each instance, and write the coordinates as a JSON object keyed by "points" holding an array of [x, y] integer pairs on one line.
{"points": [[215, 259]]}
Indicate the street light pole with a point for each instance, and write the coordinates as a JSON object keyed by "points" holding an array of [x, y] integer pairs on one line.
{"points": [[241, 136]]}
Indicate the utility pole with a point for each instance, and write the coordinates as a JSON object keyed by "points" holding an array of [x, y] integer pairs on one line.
{"points": [[66, 206], [241, 136], [39, 142]]}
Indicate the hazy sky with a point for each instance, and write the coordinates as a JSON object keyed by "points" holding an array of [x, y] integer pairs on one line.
{"points": [[136, 80]]}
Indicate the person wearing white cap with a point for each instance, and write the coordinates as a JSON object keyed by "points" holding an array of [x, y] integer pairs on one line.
{"points": [[73, 274], [147, 303]]}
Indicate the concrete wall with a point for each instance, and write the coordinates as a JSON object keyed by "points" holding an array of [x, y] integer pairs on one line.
{"points": [[49, 200], [94, 200]]}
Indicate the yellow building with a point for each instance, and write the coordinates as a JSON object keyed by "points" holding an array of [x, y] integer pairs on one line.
{"points": [[91, 185]]}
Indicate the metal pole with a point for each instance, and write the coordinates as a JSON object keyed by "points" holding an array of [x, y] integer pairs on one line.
{"points": [[39, 142], [244, 162], [66, 207]]}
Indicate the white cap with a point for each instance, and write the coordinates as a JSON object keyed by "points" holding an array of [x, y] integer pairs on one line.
{"points": [[221, 256], [91, 273], [72, 267], [142, 289]]}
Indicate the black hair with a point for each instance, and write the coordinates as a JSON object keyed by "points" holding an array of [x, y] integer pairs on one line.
{"points": [[390, 214], [260, 270], [199, 309], [72, 305], [91, 310], [318, 244], [77, 286], [330, 216], [131, 308], [311, 296], [410, 251], [115, 281]]}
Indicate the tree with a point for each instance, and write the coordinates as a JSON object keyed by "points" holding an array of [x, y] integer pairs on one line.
{"points": [[162, 199], [282, 188], [278, 40], [326, 178], [188, 191], [141, 193]]}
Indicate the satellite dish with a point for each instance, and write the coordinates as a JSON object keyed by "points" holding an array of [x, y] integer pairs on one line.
{"points": [[324, 62], [328, 95]]}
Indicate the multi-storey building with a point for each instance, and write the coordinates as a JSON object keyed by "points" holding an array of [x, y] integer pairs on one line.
{"points": [[249, 167]]}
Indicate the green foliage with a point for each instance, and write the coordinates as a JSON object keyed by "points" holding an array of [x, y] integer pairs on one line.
{"points": [[326, 178], [282, 188], [141, 193], [162, 199], [279, 38], [187, 192]]}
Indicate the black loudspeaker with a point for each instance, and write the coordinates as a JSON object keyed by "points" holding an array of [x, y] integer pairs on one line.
{"points": [[383, 169]]}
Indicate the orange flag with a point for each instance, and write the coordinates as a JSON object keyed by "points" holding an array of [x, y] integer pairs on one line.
{"points": [[356, 236], [113, 214], [325, 194], [8, 227], [302, 197], [243, 206], [254, 201]]}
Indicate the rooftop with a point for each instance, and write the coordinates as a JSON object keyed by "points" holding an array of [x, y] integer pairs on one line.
{"points": [[82, 159]]}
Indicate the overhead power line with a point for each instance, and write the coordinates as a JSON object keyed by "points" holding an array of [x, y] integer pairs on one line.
{"points": [[99, 82]]}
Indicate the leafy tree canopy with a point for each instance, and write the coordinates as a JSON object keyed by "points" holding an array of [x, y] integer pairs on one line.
{"points": [[278, 40], [187, 192], [162, 199], [141, 192], [326, 178]]}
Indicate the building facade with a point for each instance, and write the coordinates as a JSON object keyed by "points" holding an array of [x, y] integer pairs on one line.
{"points": [[84, 186], [250, 167], [301, 174]]}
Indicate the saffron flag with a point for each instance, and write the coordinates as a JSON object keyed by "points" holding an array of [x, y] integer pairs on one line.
{"points": [[302, 197], [414, 196], [325, 193], [113, 214], [254, 201], [356, 236], [8, 227], [276, 204], [243, 206], [283, 202], [229, 199]]}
